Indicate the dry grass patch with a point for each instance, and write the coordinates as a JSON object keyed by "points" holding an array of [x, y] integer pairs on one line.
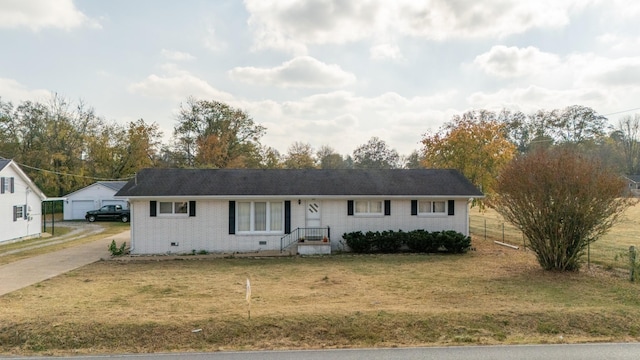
{"points": [[489, 296], [65, 237], [491, 226]]}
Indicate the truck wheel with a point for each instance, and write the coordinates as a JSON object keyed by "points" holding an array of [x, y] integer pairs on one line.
{"points": [[124, 218], [91, 218]]}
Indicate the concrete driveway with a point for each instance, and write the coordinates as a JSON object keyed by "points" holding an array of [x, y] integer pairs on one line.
{"points": [[23, 273]]}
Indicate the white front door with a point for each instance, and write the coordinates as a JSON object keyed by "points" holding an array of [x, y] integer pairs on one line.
{"points": [[313, 214]]}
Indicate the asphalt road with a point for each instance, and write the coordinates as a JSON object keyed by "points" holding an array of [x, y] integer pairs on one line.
{"points": [[621, 351]]}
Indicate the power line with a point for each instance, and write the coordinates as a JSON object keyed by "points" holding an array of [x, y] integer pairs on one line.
{"points": [[620, 112], [74, 175]]}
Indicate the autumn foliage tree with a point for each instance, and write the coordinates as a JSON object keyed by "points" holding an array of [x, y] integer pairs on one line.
{"points": [[474, 143], [562, 202]]}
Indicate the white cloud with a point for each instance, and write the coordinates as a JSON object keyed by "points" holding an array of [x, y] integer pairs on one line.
{"points": [[12, 90], [620, 43], [512, 61], [177, 85], [533, 98], [386, 52], [613, 72], [302, 71], [293, 25], [176, 55], [38, 14]]}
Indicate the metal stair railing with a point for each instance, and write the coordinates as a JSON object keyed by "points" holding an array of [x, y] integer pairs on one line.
{"points": [[301, 235]]}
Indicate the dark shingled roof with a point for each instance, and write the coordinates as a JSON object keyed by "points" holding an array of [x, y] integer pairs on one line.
{"points": [[113, 185], [4, 162], [278, 182]]}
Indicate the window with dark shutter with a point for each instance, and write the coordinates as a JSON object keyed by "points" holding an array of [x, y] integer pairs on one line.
{"points": [[2, 180], [15, 213], [414, 207], [232, 217], [192, 208], [451, 207], [153, 208], [12, 188], [24, 212], [387, 207], [349, 207]]}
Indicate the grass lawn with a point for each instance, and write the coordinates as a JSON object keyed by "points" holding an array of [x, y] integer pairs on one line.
{"points": [[493, 295]]}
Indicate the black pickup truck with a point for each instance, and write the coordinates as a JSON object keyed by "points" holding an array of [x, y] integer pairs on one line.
{"points": [[108, 212]]}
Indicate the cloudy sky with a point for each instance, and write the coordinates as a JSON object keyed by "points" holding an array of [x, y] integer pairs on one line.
{"points": [[324, 72]]}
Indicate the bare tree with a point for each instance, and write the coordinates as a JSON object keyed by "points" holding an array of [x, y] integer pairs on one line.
{"points": [[629, 131]]}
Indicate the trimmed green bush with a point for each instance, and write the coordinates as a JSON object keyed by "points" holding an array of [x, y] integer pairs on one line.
{"points": [[455, 242], [388, 241], [420, 241], [357, 242]]}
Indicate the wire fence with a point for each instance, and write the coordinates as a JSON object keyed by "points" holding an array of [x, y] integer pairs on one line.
{"points": [[611, 251]]}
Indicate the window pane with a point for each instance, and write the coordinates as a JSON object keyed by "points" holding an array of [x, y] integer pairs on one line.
{"points": [[244, 216], [166, 208], [362, 206], [438, 206], [276, 217], [181, 207], [376, 207], [260, 216], [424, 206]]}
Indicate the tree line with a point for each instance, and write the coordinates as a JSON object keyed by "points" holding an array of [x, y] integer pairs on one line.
{"points": [[64, 146]]}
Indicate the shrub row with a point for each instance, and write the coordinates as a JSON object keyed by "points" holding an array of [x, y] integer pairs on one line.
{"points": [[420, 241]]}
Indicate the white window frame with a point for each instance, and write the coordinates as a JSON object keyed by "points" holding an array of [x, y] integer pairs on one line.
{"points": [[432, 207], [369, 208], [7, 185], [174, 206], [252, 218]]}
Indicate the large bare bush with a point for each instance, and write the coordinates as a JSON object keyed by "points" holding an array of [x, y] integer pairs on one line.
{"points": [[561, 201]]}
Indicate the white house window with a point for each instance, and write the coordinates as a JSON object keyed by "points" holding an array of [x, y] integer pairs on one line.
{"points": [[260, 216], [432, 207], [368, 207], [19, 212], [173, 207]]}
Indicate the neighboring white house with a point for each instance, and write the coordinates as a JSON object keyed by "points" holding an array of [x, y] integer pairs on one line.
{"points": [[20, 204], [246, 210], [92, 197]]}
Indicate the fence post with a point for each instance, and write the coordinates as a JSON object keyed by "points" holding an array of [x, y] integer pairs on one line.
{"points": [[632, 263]]}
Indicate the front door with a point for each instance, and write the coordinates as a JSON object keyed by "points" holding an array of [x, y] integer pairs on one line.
{"points": [[313, 214]]}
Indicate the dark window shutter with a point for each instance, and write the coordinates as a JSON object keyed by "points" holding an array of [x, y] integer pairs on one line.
{"points": [[451, 207], [152, 208], [2, 180], [232, 217], [15, 213], [349, 207], [24, 212], [12, 185], [387, 207], [414, 207], [287, 217], [192, 208]]}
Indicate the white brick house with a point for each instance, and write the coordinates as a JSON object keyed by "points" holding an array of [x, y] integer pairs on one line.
{"points": [[242, 210], [20, 204]]}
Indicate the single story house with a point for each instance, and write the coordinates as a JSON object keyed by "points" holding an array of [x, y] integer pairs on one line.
{"points": [[20, 204], [247, 210], [92, 197]]}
